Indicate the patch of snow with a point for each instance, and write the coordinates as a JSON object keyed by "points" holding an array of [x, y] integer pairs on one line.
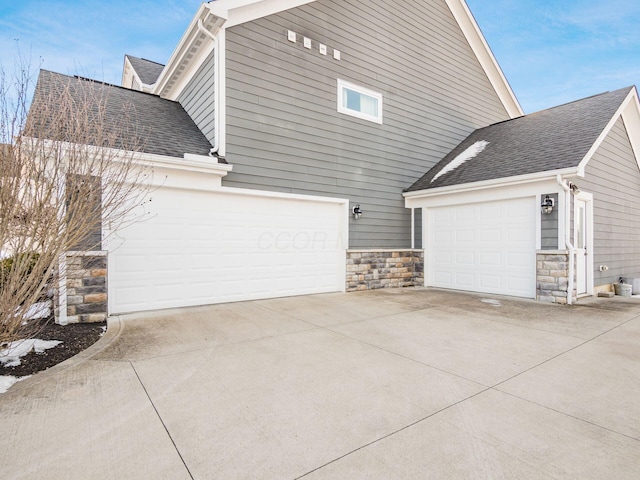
{"points": [[11, 353], [491, 301], [7, 381], [471, 152], [38, 310]]}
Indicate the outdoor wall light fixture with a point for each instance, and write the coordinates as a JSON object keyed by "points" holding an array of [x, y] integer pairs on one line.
{"points": [[357, 212], [547, 204], [574, 188]]}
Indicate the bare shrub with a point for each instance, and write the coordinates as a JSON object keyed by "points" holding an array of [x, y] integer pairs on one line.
{"points": [[69, 164]]}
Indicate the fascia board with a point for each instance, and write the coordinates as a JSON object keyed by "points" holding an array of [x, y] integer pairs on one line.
{"points": [[289, 196], [189, 162], [192, 163], [630, 111], [485, 56], [126, 68], [507, 192], [181, 51], [498, 182], [241, 11], [631, 117]]}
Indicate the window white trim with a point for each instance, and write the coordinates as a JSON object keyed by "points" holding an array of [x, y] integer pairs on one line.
{"points": [[343, 86]]}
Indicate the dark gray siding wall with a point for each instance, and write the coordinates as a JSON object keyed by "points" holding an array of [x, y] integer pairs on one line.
{"points": [[198, 99], [612, 175], [549, 225], [283, 129]]}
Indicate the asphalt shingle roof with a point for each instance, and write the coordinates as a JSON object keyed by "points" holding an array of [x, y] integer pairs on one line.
{"points": [[158, 125], [551, 139], [147, 70]]}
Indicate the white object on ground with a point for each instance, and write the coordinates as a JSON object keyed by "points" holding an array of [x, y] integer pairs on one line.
{"points": [[7, 381], [471, 152], [11, 353], [38, 310], [491, 301]]}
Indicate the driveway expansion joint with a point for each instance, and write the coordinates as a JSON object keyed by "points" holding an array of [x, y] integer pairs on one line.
{"points": [[162, 421], [395, 432]]}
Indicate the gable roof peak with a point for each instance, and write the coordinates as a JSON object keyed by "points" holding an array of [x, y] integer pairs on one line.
{"points": [[561, 138]]}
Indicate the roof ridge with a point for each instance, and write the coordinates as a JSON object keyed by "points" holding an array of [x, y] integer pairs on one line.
{"points": [[145, 59], [582, 99], [558, 106], [107, 84]]}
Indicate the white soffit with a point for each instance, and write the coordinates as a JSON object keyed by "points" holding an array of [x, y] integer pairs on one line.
{"points": [[483, 52], [188, 48], [241, 11]]}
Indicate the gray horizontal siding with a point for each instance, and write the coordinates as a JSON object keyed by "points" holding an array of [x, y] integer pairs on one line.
{"points": [[198, 99], [612, 175], [283, 129]]}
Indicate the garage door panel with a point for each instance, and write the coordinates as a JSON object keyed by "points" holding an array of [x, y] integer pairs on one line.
{"points": [[444, 278], [209, 247], [443, 237], [490, 259], [464, 214], [492, 235], [485, 247], [522, 260], [464, 259], [491, 282], [464, 279], [519, 235], [464, 236], [445, 258], [487, 213]]}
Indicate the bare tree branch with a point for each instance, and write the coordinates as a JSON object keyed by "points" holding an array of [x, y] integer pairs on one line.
{"points": [[68, 166]]}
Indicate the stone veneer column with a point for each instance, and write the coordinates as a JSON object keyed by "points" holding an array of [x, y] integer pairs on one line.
{"points": [[371, 269], [85, 287], [552, 276]]}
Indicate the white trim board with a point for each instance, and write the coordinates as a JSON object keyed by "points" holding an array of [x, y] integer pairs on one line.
{"points": [[630, 112]]}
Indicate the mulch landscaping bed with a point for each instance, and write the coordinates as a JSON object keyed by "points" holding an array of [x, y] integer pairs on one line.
{"points": [[75, 337]]}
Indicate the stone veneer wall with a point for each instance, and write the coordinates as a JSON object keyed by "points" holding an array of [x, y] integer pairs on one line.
{"points": [[552, 276], [370, 269], [86, 287]]}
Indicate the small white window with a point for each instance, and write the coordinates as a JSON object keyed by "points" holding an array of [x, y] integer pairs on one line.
{"points": [[359, 102]]}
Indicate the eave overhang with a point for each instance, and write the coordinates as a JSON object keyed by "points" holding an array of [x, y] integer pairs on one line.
{"points": [[190, 46], [550, 175]]}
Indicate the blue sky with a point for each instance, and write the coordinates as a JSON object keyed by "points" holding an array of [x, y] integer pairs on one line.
{"points": [[551, 52]]}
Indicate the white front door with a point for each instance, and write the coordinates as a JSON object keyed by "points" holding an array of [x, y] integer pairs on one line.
{"points": [[582, 244]]}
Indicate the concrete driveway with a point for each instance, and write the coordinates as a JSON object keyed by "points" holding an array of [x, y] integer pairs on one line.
{"points": [[387, 384]]}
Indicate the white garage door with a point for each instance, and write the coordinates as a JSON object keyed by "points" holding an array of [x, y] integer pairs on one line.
{"points": [[199, 248], [484, 247]]}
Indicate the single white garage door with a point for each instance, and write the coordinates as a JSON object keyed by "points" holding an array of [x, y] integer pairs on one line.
{"points": [[484, 247], [205, 247]]}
